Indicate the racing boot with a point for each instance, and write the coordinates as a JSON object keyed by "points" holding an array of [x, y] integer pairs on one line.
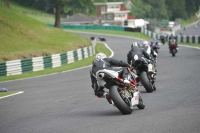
{"points": [[107, 96]]}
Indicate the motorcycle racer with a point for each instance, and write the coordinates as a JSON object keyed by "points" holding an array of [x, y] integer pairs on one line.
{"points": [[145, 45], [136, 50], [172, 38], [101, 61]]}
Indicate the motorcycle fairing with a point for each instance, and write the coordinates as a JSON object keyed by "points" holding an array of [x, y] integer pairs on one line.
{"points": [[112, 73]]}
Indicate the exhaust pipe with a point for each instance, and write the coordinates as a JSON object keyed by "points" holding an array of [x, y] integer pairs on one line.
{"points": [[101, 75]]}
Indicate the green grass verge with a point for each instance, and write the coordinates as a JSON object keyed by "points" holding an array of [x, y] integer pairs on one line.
{"points": [[189, 21], [33, 13], [2, 94], [190, 44], [85, 62]]}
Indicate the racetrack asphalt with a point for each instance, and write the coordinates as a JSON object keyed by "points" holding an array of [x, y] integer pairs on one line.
{"points": [[65, 102]]}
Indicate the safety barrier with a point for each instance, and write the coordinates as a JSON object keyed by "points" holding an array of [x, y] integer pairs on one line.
{"points": [[183, 38], [67, 26], [16, 67]]}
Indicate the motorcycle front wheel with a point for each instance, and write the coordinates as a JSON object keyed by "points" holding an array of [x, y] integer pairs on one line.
{"points": [[173, 52], [124, 107]]}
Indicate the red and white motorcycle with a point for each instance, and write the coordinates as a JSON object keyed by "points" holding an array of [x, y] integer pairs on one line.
{"points": [[124, 96]]}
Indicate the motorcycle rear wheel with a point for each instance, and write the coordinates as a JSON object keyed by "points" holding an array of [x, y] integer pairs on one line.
{"points": [[119, 102], [145, 82]]}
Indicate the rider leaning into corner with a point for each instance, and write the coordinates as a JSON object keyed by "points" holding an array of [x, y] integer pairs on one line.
{"points": [[136, 50], [145, 45], [102, 62], [139, 52]]}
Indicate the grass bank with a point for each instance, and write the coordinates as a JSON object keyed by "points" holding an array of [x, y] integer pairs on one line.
{"points": [[33, 13], [2, 94], [23, 37], [192, 19]]}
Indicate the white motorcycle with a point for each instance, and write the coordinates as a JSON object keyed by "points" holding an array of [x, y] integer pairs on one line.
{"points": [[124, 96]]}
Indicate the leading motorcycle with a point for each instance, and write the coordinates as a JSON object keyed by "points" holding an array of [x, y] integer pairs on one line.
{"points": [[173, 47], [124, 96]]}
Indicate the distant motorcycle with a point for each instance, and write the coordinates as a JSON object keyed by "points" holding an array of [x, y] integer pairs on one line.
{"points": [[102, 39], [124, 96], [173, 47], [162, 39], [92, 38], [155, 46]]}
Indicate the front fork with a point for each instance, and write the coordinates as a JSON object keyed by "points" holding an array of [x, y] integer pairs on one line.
{"points": [[151, 77]]}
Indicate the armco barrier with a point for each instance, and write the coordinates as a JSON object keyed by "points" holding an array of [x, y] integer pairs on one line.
{"points": [[16, 67], [67, 26], [183, 38]]}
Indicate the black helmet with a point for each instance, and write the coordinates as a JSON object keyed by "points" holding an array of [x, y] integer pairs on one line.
{"points": [[134, 44]]}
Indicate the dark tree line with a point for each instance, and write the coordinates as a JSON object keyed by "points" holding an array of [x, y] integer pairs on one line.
{"points": [[160, 9], [5, 3], [165, 9]]}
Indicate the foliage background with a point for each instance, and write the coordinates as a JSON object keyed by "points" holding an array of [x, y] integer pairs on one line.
{"points": [[160, 9]]}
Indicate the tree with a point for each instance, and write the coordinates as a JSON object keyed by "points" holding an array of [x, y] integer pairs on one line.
{"points": [[176, 9], [158, 9], [6, 3], [140, 9], [192, 7], [57, 13], [80, 6]]}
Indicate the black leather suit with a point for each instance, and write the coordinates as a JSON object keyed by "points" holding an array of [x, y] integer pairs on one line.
{"points": [[136, 51]]}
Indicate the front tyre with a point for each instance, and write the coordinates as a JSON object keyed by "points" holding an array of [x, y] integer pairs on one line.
{"points": [[145, 82], [173, 52], [119, 102]]}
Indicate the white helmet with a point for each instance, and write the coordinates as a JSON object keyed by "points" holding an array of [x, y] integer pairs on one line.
{"points": [[100, 56], [146, 43], [134, 44]]}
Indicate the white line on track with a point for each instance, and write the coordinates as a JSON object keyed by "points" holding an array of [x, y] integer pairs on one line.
{"points": [[20, 92]]}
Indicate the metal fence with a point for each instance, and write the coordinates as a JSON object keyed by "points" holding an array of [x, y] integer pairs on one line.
{"points": [[183, 38]]}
